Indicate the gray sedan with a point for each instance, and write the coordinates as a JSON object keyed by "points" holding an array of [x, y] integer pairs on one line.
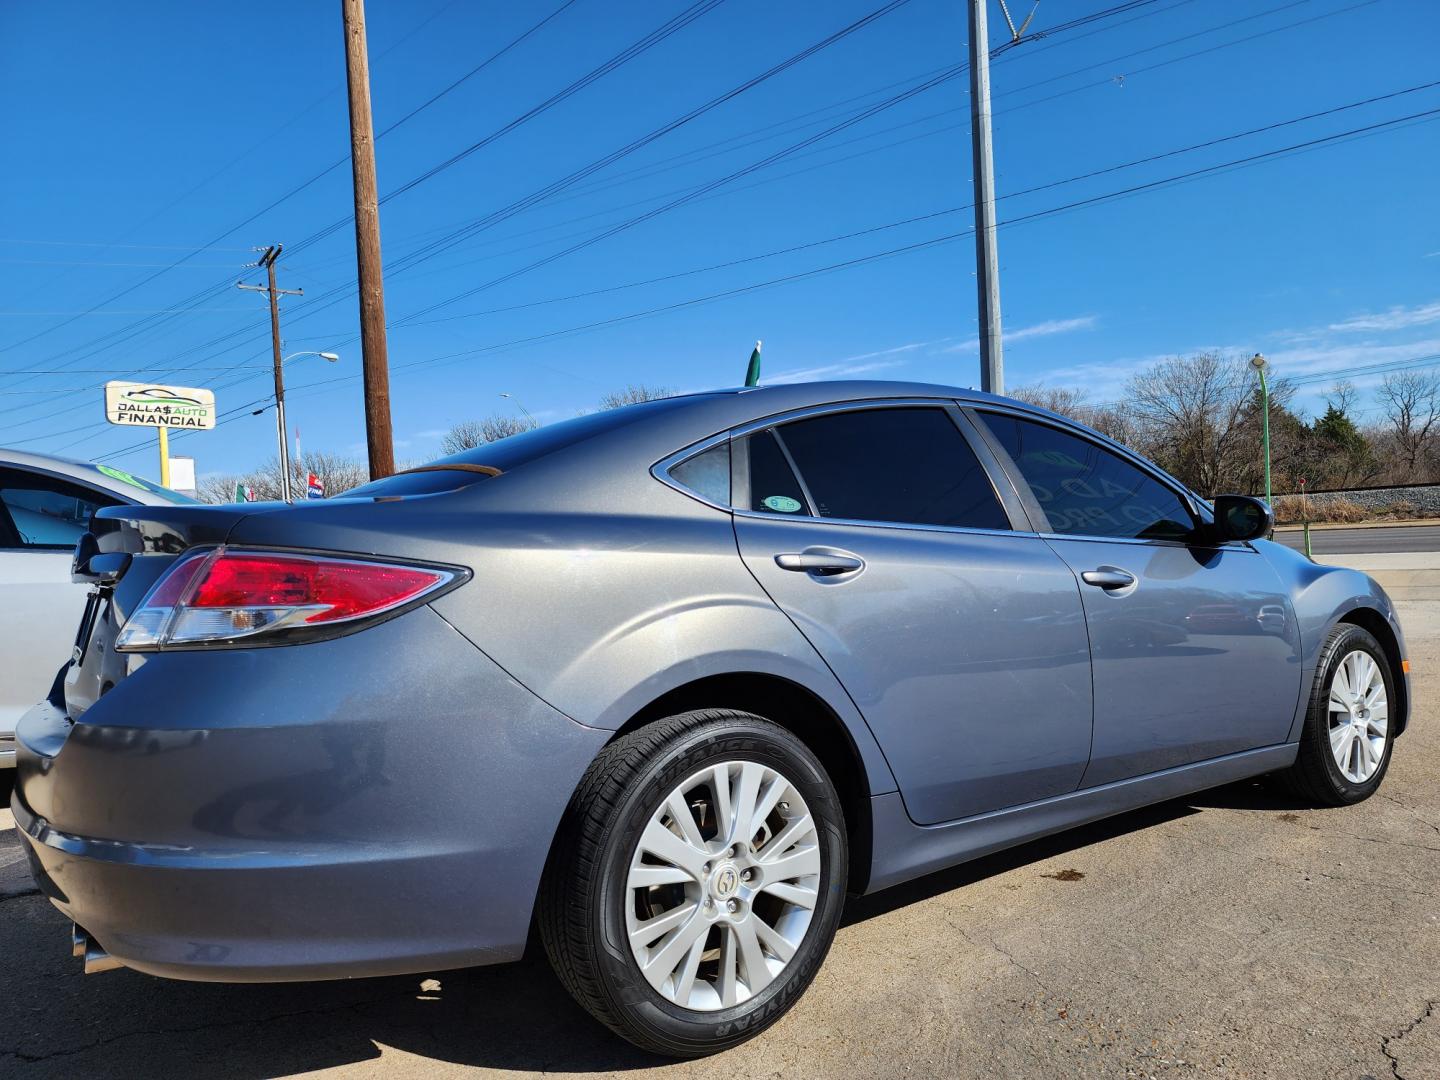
{"points": [[669, 681]]}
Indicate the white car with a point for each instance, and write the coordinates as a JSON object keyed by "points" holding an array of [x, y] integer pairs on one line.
{"points": [[45, 507]]}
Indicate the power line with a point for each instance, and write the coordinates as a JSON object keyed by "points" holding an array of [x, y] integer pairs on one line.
{"points": [[289, 194], [625, 56], [1155, 157], [322, 301], [334, 296], [915, 247], [114, 243], [691, 196]]}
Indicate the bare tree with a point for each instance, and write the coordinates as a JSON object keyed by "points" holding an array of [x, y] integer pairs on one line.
{"points": [[1118, 422], [1065, 400], [634, 394], [1191, 416], [469, 434], [1342, 396], [1411, 403], [218, 487], [335, 473]]}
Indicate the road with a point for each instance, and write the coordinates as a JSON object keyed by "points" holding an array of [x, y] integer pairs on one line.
{"points": [[1379, 539], [1234, 934]]}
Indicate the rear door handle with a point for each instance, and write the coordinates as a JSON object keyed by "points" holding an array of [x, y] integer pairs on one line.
{"points": [[809, 562], [1108, 577]]}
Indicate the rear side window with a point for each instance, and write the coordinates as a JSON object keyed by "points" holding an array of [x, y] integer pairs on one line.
{"points": [[46, 512], [1086, 490], [773, 487], [905, 465], [707, 474]]}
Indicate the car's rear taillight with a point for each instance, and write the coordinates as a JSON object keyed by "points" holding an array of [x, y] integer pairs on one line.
{"points": [[229, 595]]}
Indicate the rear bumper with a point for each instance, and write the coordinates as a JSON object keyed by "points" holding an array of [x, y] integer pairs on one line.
{"points": [[377, 804]]}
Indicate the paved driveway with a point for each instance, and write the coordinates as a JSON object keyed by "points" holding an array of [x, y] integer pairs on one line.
{"points": [[1235, 934]]}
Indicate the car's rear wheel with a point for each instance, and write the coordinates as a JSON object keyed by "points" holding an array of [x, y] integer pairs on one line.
{"points": [[1348, 735], [697, 881]]}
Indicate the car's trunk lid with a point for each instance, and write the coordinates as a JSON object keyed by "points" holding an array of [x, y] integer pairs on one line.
{"points": [[153, 537]]}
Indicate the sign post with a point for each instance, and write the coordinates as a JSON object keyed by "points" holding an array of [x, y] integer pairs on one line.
{"points": [[162, 407]]}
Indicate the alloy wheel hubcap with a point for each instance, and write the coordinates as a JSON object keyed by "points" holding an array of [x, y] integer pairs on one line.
{"points": [[1359, 716], [722, 885]]}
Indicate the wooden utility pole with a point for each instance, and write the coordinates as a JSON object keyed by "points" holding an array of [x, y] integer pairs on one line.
{"points": [[375, 360], [267, 260]]}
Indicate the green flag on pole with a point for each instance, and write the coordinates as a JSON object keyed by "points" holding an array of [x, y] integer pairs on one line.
{"points": [[752, 373]]}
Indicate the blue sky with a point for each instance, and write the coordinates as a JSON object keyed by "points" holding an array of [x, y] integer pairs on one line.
{"points": [[139, 133]]}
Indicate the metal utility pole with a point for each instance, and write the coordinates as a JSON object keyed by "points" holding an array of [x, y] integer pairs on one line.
{"points": [[267, 260], [1258, 363], [374, 359], [987, 262]]}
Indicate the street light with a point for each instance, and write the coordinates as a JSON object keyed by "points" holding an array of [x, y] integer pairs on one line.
{"points": [[280, 415], [1258, 363], [511, 398]]}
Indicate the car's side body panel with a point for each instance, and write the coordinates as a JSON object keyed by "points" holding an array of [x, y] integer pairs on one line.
{"points": [[596, 615], [1184, 668], [905, 850], [1323, 596], [965, 651]]}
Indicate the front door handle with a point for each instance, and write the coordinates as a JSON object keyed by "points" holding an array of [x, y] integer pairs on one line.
{"points": [[1108, 577], [810, 562]]}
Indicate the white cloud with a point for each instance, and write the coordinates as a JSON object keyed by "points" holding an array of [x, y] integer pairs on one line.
{"points": [[829, 371], [849, 366], [1395, 318], [1049, 328]]}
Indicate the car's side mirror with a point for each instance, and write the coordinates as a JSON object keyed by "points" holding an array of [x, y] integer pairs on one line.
{"points": [[1242, 517], [91, 566]]}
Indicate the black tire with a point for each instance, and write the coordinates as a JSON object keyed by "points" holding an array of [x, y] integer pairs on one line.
{"points": [[1316, 776], [582, 904]]}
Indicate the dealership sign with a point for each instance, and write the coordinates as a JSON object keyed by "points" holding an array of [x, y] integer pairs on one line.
{"points": [[153, 405]]}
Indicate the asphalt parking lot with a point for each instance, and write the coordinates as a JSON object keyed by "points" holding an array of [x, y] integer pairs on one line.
{"points": [[1234, 934]]}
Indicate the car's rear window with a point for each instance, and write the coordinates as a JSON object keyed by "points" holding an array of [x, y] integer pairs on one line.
{"points": [[509, 453]]}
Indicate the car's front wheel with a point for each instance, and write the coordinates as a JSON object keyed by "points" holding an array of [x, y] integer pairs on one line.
{"points": [[697, 881], [1348, 735]]}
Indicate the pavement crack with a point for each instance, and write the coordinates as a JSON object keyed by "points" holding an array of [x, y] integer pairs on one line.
{"points": [[16, 894], [1406, 1030], [1006, 953], [1409, 810]]}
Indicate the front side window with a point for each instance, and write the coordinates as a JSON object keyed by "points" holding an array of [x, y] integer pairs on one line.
{"points": [[904, 465], [47, 512], [1086, 490]]}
